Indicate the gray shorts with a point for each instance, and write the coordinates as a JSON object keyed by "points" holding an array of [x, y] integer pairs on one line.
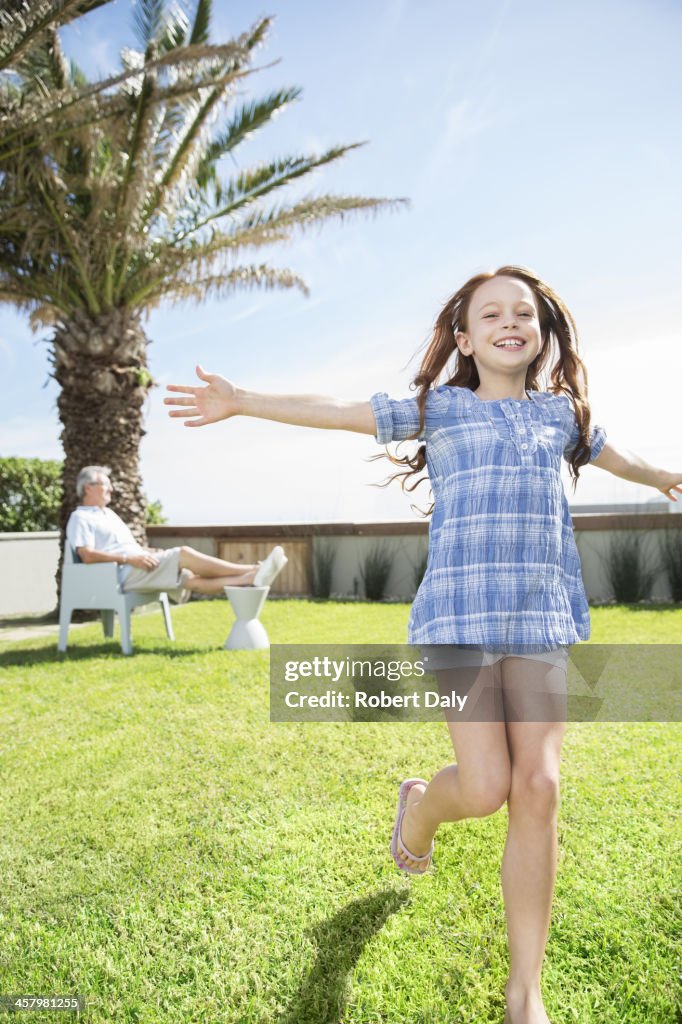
{"points": [[166, 576], [445, 656], [493, 695]]}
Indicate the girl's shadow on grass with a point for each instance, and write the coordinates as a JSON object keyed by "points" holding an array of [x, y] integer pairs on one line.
{"points": [[340, 942]]}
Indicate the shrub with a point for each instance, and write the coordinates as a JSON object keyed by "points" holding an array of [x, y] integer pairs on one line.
{"points": [[671, 549], [625, 568], [30, 495], [154, 514], [324, 556], [375, 570]]}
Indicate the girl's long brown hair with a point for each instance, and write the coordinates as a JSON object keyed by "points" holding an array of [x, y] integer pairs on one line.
{"points": [[568, 374]]}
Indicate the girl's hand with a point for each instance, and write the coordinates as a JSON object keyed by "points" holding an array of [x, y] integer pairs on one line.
{"points": [[217, 401], [221, 399], [669, 482]]}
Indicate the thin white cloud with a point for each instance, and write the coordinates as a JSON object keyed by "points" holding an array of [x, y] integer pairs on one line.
{"points": [[470, 115], [489, 43], [462, 121], [308, 306], [247, 313]]}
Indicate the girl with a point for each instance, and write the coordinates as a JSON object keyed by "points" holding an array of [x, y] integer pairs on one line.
{"points": [[502, 594]]}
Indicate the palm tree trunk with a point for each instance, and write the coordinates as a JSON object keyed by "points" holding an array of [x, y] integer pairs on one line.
{"points": [[101, 365]]}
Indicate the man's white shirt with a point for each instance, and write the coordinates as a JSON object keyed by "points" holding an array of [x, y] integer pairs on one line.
{"points": [[90, 526]]}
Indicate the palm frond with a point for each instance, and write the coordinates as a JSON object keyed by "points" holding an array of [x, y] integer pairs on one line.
{"points": [[44, 68], [46, 316], [175, 167], [253, 184], [202, 22], [312, 210], [149, 19], [168, 261], [175, 29], [159, 29], [73, 250], [307, 213], [77, 77], [30, 300], [222, 285], [20, 300], [247, 120], [184, 156]]}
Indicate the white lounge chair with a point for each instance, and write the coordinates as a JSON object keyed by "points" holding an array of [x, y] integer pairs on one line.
{"points": [[97, 586]]}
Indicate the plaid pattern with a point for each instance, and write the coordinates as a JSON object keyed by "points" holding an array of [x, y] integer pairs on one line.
{"points": [[503, 568]]}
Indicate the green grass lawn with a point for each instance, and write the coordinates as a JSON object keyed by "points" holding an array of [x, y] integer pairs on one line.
{"points": [[173, 856]]}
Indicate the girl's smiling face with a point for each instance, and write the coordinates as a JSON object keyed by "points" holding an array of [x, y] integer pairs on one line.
{"points": [[503, 328]]}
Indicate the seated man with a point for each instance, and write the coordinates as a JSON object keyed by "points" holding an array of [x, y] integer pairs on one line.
{"points": [[97, 534]]}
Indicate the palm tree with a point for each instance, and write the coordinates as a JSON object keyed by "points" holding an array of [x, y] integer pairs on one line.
{"points": [[127, 209]]}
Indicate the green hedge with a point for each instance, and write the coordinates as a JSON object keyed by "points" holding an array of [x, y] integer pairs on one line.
{"points": [[30, 494]]}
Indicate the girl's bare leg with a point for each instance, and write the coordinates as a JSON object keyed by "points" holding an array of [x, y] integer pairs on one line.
{"points": [[517, 761], [530, 853], [478, 784]]}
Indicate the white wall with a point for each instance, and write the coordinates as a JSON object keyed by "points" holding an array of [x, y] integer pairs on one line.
{"points": [[28, 563]]}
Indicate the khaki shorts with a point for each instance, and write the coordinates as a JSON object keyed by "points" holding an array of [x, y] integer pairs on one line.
{"points": [[166, 576], [445, 656]]}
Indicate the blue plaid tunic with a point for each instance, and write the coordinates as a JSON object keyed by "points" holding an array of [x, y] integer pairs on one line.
{"points": [[503, 569]]}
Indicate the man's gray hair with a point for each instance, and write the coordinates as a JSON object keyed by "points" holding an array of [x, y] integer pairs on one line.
{"points": [[88, 475]]}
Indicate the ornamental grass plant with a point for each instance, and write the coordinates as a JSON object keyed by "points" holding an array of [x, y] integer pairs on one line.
{"points": [[375, 570]]}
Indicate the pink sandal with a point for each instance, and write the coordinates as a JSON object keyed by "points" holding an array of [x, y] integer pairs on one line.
{"points": [[396, 838]]}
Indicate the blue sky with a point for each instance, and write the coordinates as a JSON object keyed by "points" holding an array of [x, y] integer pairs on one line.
{"points": [[521, 132]]}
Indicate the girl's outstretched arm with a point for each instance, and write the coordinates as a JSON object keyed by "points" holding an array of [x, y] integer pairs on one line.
{"points": [[220, 399], [629, 466]]}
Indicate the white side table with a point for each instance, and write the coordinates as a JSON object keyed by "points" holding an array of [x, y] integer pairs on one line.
{"points": [[247, 633]]}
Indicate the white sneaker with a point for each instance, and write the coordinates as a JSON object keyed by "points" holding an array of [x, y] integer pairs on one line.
{"points": [[270, 568]]}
